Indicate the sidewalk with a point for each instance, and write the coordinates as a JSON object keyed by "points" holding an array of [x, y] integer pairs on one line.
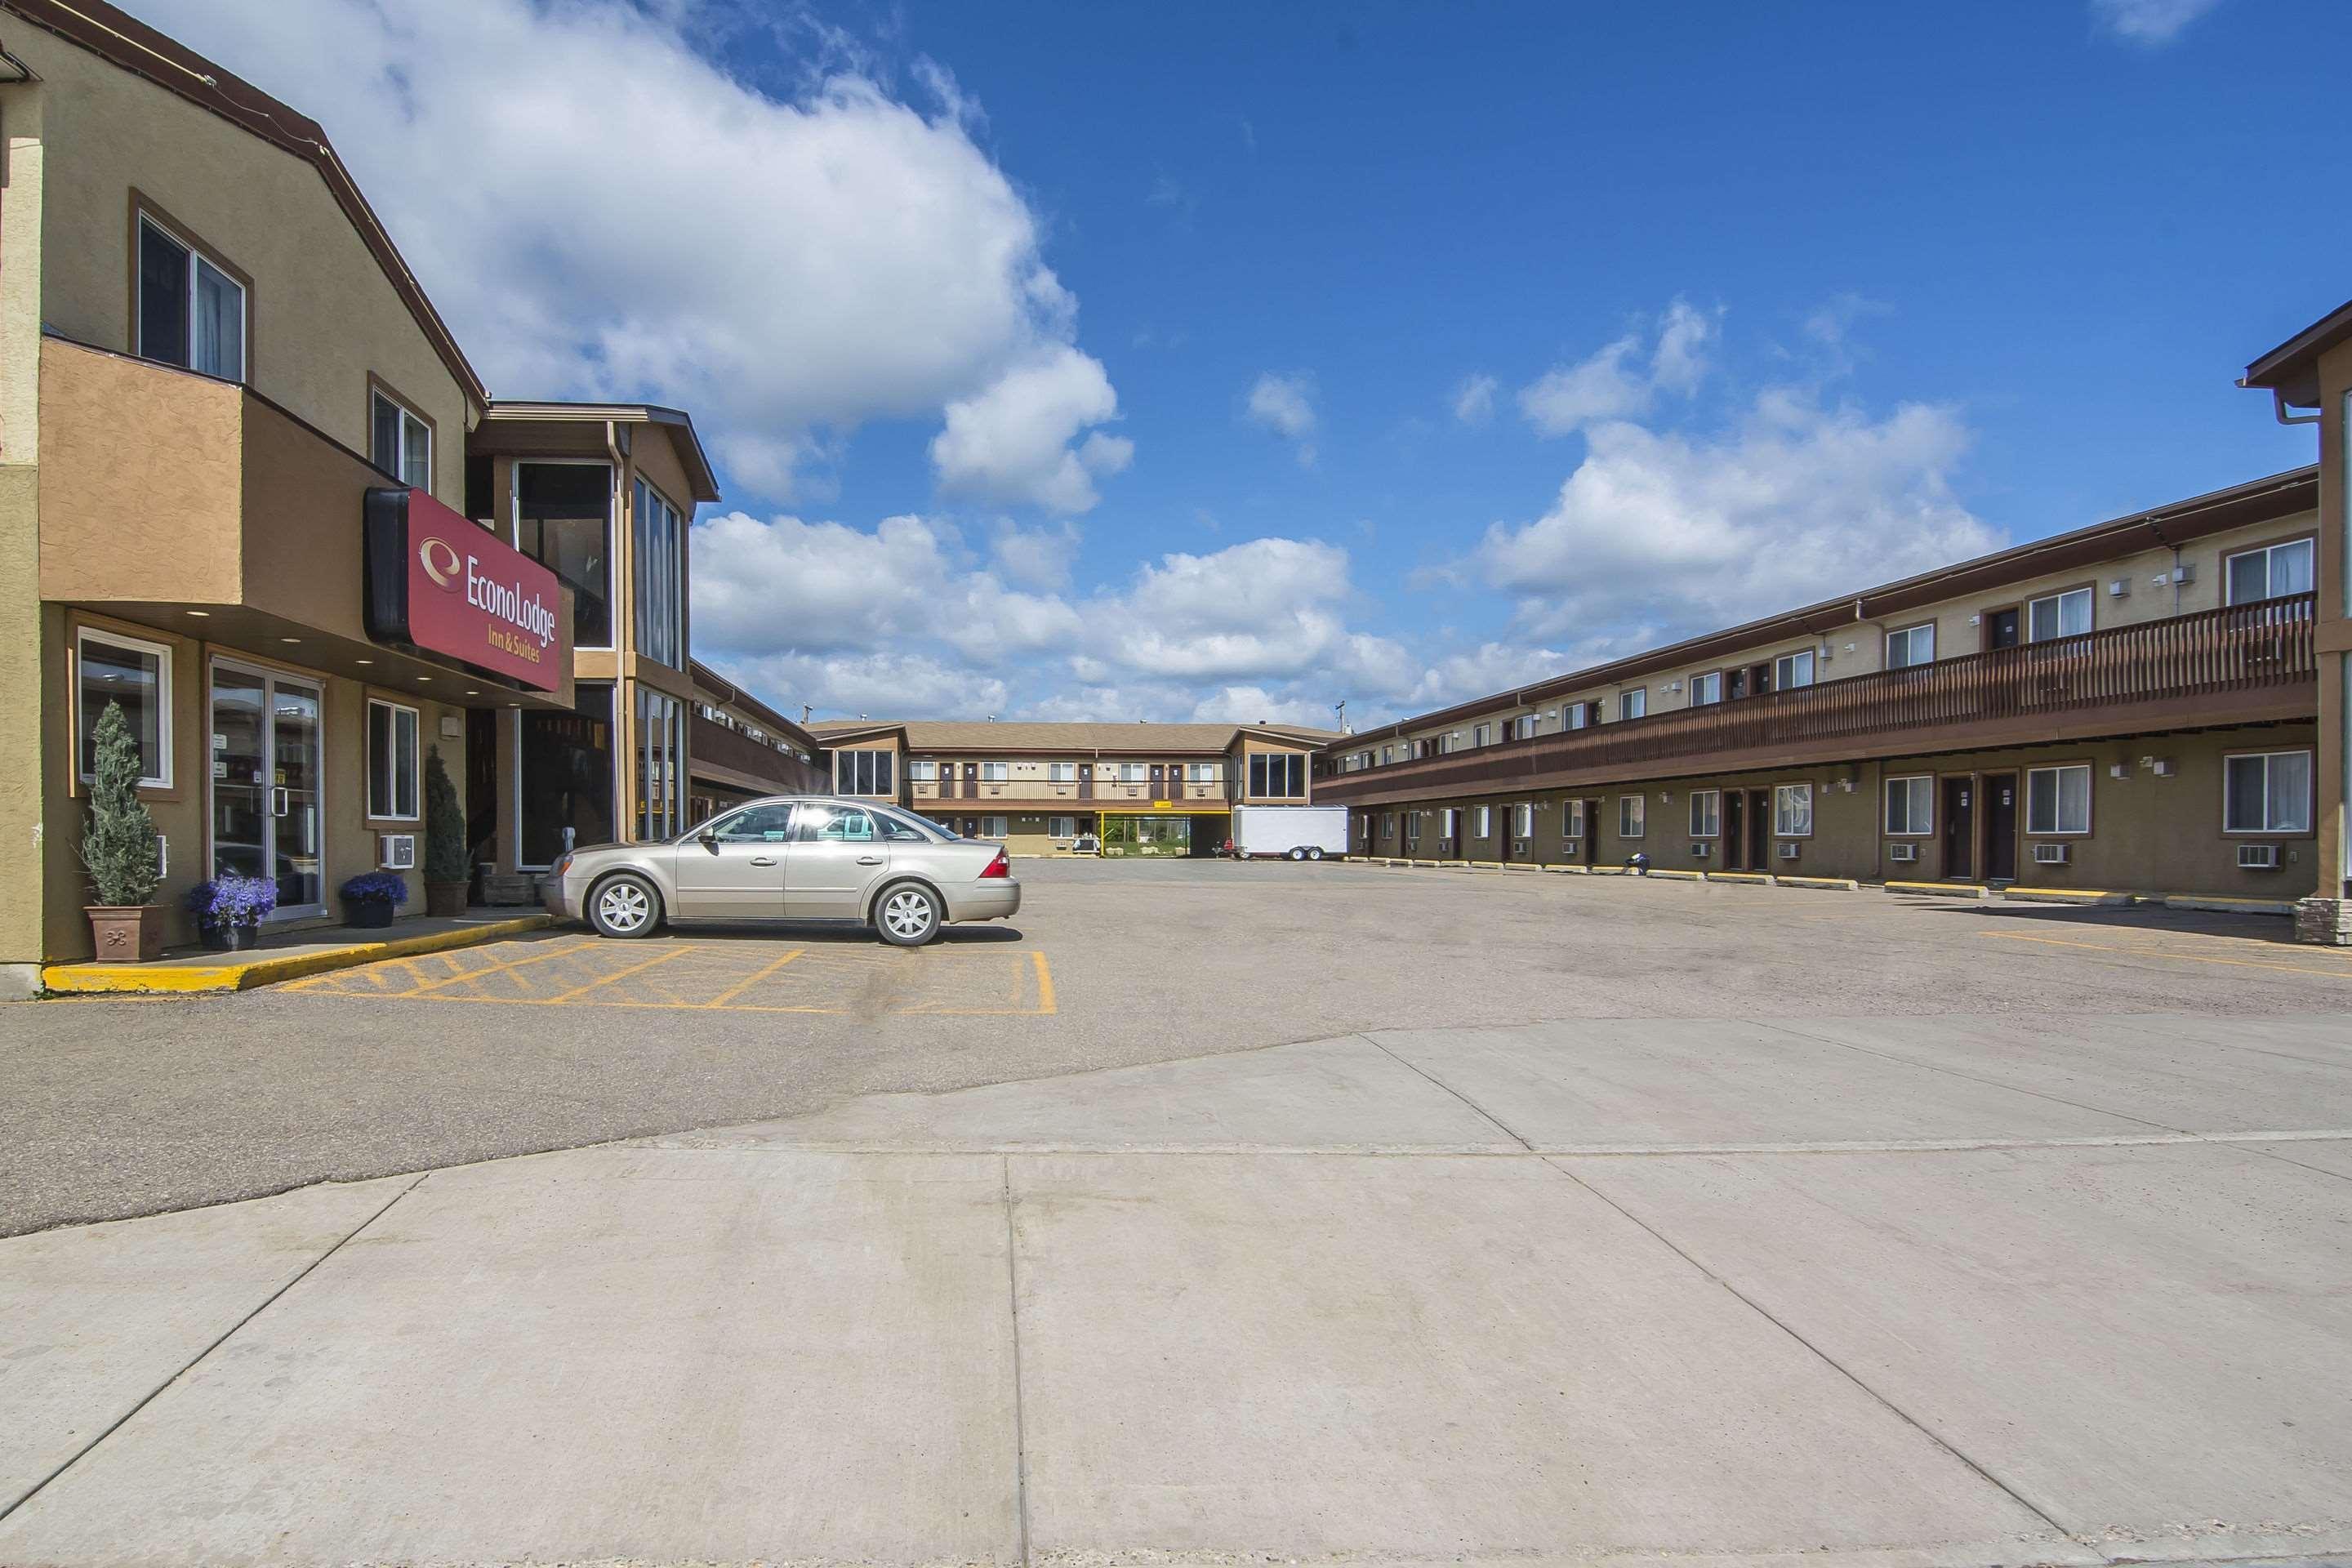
{"points": [[1627, 1292], [289, 955]]}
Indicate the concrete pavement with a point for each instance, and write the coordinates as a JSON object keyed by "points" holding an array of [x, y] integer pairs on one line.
{"points": [[1885, 1292]]}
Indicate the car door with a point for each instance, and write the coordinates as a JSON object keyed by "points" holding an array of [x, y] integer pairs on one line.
{"points": [[835, 860], [734, 868]]}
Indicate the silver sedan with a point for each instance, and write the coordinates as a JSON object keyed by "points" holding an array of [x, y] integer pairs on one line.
{"points": [[791, 857]]}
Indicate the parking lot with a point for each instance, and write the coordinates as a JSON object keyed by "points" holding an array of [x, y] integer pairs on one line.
{"points": [[120, 1107]]}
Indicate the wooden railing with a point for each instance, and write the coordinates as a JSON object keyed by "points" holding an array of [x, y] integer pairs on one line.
{"points": [[2207, 668]]}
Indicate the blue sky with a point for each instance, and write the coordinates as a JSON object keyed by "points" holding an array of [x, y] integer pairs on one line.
{"points": [[1084, 361]]}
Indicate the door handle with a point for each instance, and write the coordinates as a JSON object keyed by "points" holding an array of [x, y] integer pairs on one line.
{"points": [[280, 801], [764, 859], [869, 860]]}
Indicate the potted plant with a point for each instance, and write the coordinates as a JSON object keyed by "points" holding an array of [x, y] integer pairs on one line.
{"points": [[445, 841], [370, 898], [229, 908], [119, 850]]}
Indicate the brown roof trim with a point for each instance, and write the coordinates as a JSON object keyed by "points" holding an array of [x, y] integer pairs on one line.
{"points": [[676, 421], [2279, 495], [707, 677], [2291, 368], [123, 41]]}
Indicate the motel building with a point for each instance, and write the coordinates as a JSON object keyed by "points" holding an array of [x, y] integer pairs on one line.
{"points": [[252, 489], [2132, 707], [1142, 790]]}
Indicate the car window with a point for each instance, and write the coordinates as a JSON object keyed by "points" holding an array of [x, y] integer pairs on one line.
{"points": [[769, 824], [834, 824], [899, 830]]}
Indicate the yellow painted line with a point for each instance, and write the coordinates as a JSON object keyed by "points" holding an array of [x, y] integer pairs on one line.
{"points": [[678, 951], [753, 979], [1045, 984], [90, 979], [2159, 953], [507, 966]]}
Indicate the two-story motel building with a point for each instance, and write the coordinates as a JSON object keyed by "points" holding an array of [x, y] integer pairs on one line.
{"points": [[252, 489], [1140, 789], [2130, 706]]}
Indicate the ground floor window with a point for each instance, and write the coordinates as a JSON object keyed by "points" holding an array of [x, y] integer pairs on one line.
{"points": [[1705, 813], [1792, 810], [1483, 824], [1148, 835], [992, 828], [1571, 820], [1630, 815], [393, 768], [1061, 827], [1412, 827], [2058, 800], [661, 765], [1449, 822], [138, 676], [1525, 828], [565, 777], [2268, 792], [1910, 807], [1388, 825]]}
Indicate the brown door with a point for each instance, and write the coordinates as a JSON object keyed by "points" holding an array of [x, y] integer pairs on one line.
{"points": [[1735, 685], [1759, 679], [1734, 830], [2000, 627], [1589, 851], [1959, 828], [1760, 829], [1086, 781], [971, 780], [2001, 827], [1502, 833], [1159, 782]]}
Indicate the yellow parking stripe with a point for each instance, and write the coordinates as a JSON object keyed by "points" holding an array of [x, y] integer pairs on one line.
{"points": [[678, 951], [753, 979], [1045, 984], [2156, 953], [512, 964]]}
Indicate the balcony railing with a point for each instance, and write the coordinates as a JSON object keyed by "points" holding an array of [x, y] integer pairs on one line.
{"points": [[2245, 663], [1064, 790]]}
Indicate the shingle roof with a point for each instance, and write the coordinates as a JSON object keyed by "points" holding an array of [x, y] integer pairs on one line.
{"points": [[1016, 735]]}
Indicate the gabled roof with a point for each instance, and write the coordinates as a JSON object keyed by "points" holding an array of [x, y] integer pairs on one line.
{"points": [[676, 423], [1017, 735], [2292, 369], [122, 40]]}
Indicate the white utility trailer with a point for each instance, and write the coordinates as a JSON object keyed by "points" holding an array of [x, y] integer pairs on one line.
{"points": [[1290, 832]]}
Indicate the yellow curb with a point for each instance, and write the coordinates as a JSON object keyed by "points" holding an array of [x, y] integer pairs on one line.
{"points": [[1567, 870], [125, 979], [1946, 890], [2221, 904], [1483, 865], [1676, 876], [1521, 865], [1755, 878], [2096, 897], [1830, 884]]}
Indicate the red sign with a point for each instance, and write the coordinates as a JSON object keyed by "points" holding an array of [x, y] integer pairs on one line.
{"points": [[453, 588]]}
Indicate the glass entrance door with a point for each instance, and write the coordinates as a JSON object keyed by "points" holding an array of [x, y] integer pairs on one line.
{"points": [[268, 771]]}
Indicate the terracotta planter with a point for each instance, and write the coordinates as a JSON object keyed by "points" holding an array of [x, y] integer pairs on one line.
{"points": [[443, 899], [126, 933]]}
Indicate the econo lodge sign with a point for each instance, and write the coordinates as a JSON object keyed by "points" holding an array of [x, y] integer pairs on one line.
{"points": [[450, 586]]}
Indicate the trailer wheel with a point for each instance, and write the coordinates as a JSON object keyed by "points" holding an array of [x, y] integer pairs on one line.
{"points": [[1296, 852], [1315, 852]]}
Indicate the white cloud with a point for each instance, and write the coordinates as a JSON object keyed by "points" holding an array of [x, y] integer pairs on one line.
{"points": [[1035, 557], [1285, 405], [2150, 22], [1618, 379], [600, 210], [882, 685], [1680, 533], [1474, 400]]}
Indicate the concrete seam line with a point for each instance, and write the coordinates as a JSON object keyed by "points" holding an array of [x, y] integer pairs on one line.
{"points": [[1488, 1116], [1020, 1419], [197, 1359], [1736, 1294]]}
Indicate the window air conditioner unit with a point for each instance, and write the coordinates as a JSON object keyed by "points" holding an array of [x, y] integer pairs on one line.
{"points": [[2052, 854], [1701, 851], [1569, 845], [396, 851], [1519, 848], [1790, 852], [2258, 856], [1906, 851]]}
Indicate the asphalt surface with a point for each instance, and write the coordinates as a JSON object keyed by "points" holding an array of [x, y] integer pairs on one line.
{"points": [[127, 1107]]}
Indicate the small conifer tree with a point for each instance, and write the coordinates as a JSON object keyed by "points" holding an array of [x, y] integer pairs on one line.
{"points": [[119, 846], [444, 824]]}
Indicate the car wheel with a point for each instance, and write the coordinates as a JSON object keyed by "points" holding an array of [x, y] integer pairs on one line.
{"points": [[1296, 853], [624, 906], [908, 915], [1314, 853]]}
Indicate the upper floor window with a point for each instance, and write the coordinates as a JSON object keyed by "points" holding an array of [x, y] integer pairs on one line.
{"points": [[191, 311], [1061, 772], [923, 770], [1911, 646], [995, 773], [1280, 775], [1202, 772], [1482, 735], [2272, 572], [563, 521], [399, 441], [1707, 688], [1523, 728], [868, 771], [1792, 669], [1633, 704], [1130, 773], [2065, 615], [1576, 715], [658, 546]]}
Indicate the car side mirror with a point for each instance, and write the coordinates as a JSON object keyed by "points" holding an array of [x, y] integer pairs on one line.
{"points": [[710, 841]]}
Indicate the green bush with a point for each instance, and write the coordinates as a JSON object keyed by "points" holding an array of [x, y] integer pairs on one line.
{"points": [[119, 848], [444, 824]]}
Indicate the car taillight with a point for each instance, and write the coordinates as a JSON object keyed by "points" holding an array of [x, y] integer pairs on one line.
{"points": [[999, 866]]}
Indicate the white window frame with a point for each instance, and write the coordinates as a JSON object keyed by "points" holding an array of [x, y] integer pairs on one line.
{"points": [[1061, 827], [1576, 716], [2309, 546], [1482, 735], [1523, 827], [1213, 772], [1634, 823], [1133, 774], [1449, 823], [1887, 806], [196, 257], [994, 827], [2059, 599], [1782, 795], [1711, 684], [1633, 703], [1710, 825], [1388, 825], [162, 656], [923, 770], [2058, 771], [1571, 819], [1907, 636], [1785, 667], [2309, 791], [1483, 823], [407, 418], [997, 772], [415, 761]]}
